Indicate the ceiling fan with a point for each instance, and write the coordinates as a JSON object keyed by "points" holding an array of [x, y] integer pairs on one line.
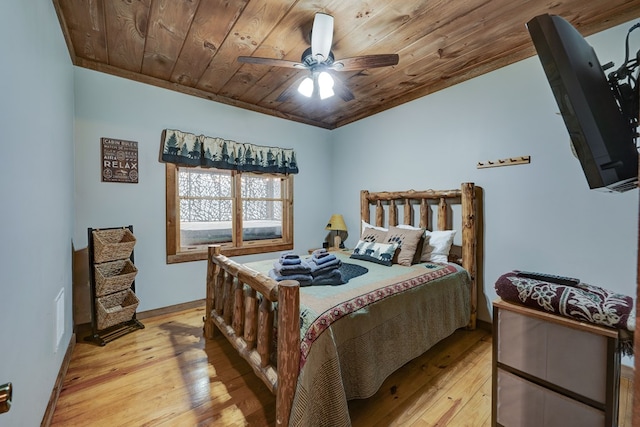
{"points": [[319, 60]]}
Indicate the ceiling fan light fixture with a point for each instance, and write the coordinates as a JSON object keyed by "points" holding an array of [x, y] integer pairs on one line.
{"points": [[318, 59], [306, 87], [325, 85]]}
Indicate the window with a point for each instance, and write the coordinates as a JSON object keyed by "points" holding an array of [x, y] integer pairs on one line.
{"points": [[246, 213]]}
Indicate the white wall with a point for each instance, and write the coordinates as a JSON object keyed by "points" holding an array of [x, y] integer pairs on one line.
{"points": [[108, 106], [539, 217], [36, 219]]}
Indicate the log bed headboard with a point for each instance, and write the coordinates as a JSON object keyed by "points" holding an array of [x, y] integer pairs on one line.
{"points": [[423, 203]]}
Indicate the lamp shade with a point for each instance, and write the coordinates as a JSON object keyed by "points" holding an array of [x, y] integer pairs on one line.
{"points": [[336, 222]]}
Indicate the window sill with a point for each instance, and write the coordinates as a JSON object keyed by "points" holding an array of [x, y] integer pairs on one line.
{"points": [[200, 253]]}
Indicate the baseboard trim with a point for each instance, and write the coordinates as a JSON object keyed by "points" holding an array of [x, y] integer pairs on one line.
{"points": [[170, 309], [84, 330], [487, 326], [55, 393]]}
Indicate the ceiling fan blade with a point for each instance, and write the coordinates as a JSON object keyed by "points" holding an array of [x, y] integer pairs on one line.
{"points": [[341, 89], [290, 91], [365, 61], [321, 36], [271, 62]]}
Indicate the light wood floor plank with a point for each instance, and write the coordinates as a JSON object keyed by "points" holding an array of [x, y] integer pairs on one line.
{"points": [[402, 390], [626, 403], [168, 375]]}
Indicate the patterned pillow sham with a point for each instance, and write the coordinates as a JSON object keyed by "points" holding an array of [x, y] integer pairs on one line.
{"points": [[380, 253], [374, 235], [407, 240]]}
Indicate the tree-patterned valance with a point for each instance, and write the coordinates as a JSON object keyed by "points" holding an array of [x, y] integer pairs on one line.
{"points": [[188, 149]]}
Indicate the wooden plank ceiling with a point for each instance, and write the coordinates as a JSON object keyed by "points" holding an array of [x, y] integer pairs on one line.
{"points": [[192, 46]]}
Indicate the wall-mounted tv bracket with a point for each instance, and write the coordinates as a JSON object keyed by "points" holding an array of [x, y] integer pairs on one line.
{"points": [[626, 93]]}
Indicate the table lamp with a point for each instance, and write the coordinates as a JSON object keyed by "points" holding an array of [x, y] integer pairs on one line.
{"points": [[338, 233]]}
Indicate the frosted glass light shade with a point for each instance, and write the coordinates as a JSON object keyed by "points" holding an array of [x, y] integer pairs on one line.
{"points": [[325, 83], [306, 87]]}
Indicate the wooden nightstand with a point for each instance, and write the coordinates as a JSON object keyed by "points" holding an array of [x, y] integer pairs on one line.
{"points": [[329, 250]]}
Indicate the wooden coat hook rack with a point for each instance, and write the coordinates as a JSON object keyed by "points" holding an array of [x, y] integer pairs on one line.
{"points": [[520, 160]]}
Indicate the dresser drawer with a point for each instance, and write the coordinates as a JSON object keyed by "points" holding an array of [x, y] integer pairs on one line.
{"points": [[572, 359], [524, 404]]}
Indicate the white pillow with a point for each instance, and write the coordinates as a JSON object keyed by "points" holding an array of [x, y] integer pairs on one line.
{"points": [[437, 245], [409, 227], [367, 225], [405, 226]]}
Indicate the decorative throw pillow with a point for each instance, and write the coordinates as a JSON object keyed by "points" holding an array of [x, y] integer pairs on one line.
{"points": [[374, 235], [437, 245], [407, 240], [418, 254], [380, 253]]}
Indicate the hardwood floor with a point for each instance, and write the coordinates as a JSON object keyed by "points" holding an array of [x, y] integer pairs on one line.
{"points": [[168, 375]]}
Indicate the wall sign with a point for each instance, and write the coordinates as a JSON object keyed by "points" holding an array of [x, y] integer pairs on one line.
{"points": [[119, 160]]}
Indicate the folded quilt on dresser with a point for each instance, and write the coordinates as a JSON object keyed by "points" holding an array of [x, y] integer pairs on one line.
{"points": [[582, 302]]}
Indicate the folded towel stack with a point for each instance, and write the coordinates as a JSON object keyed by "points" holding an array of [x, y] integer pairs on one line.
{"points": [[291, 267], [289, 258], [325, 268], [321, 268]]}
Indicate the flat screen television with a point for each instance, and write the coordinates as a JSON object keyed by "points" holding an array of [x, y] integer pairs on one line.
{"points": [[602, 136]]}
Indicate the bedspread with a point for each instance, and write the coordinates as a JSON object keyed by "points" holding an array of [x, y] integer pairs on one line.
{"points": [[353, 336]]}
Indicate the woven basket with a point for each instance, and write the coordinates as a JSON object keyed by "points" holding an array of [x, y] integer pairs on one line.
{"points": [[116, 308], [114, 276], [113, 244]]}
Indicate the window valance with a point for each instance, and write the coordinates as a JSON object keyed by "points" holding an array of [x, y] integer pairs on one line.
{"points": [[187, 149]]}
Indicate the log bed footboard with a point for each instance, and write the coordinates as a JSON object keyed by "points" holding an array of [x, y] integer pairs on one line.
{"points": [[246, 319]]}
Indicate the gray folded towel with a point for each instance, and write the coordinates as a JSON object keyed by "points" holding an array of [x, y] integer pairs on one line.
{"points": [[285, 270], [303, 279], [289, 258], [324, 266], [321, 256], [333, 278]]}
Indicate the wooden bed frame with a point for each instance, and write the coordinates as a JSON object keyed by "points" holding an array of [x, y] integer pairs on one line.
{"points": [[246, 318]]}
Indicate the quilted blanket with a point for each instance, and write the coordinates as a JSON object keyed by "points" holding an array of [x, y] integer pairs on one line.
{"points": [[354, 335], [582, 302]]}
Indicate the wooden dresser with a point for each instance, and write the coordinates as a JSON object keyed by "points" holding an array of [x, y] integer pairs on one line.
{"points": [[552, 371]]}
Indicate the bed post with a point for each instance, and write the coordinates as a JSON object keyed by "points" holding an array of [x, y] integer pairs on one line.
{"points": [[364, 207], [209, 327], [288, 348], [469, 245]]}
